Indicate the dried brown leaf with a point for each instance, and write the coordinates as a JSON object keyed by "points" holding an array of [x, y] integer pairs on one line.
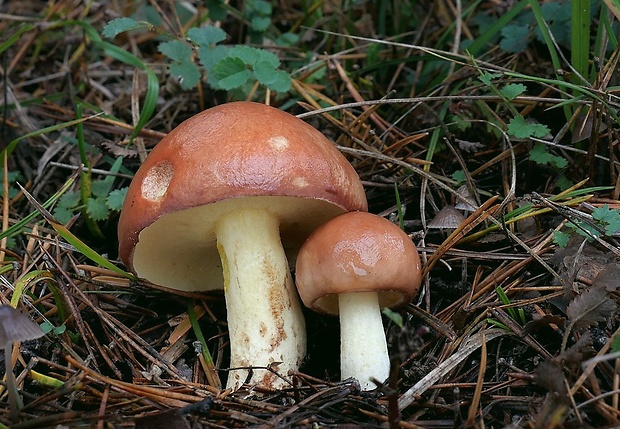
{"points": [[578, 352], [549, 375], [117, 150], [538, 322], [608, 278], [589, 308]]}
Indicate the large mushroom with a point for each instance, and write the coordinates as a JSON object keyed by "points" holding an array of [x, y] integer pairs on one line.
{"points": [[353, 265], [221, 202]]}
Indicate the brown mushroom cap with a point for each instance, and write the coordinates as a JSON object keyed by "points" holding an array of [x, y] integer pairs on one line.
{"points": [[357, 252], [233, 156]]}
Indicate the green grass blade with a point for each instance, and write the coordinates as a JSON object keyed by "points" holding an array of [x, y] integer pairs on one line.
{"points": [[212, 375], [580, 37]]}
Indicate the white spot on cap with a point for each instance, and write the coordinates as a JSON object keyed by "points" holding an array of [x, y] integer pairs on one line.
{"points": [[156, 181], [300, 182], [278, 143]]}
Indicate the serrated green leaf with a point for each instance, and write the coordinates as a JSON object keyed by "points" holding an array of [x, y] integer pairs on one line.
{"points": [[487, 77], [187, 72], [584, 229], [175, 50], [120, 25], [101, 188], [115, 200], [235, 80], [217, 9], [260, 23], [514, 38], [211, 55], [459, 176], [231, 72], [69, 200], [261, 7], [97, 208], [540, 155], [519, 128], [609, 217], [206, 36], [247, 54], [561, 238], [513, 90], [268, 57], [265, 72], [63, 214], [281, 82], [291, 39]]}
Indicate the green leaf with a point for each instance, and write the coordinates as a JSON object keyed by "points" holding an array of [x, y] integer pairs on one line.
{"points": [[393, 316], [187, 72], [260, 23], [210, 56], [116, 199], [217, 9], [609, 217], [513, 90], [120, 25], [281, 82], [291, 39], [247, 54], [97, 209], [584, 228], [206, 36], [63, 214], [487, 77], [100, 188], [261, 7], [175, 50], [69, 200], [615, 344], [459, 176], [231, 73], [540, 155], [519, 128], [561, 238], [515, 38]]}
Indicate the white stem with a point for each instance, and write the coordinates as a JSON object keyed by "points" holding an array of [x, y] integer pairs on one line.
{"points": [[265, 322], [11, 383], [363, 347]]}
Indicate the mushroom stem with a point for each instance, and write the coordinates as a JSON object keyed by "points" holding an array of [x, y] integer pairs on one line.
{"points": [[11, 383], [363, 347], [265, 322]]}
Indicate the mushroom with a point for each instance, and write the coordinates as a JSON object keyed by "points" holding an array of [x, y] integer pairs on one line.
{"points": [[15, 326], [353, 265], [446, 218], [223, 201]]}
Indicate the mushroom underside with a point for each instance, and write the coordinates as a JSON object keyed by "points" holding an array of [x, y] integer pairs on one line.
{"points": [[179, 250]]}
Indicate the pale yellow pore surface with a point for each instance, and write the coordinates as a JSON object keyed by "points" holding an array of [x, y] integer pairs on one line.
{"points": [[179, 250]]}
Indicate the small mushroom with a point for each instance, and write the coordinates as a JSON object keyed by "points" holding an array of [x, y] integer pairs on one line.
{"points": [[354, 265], [225, 201], [446, 218], [464, 200], [15, 326]]}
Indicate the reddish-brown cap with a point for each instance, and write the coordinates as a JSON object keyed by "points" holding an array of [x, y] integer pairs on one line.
{"points": [[240, 154], [357, 252]]}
